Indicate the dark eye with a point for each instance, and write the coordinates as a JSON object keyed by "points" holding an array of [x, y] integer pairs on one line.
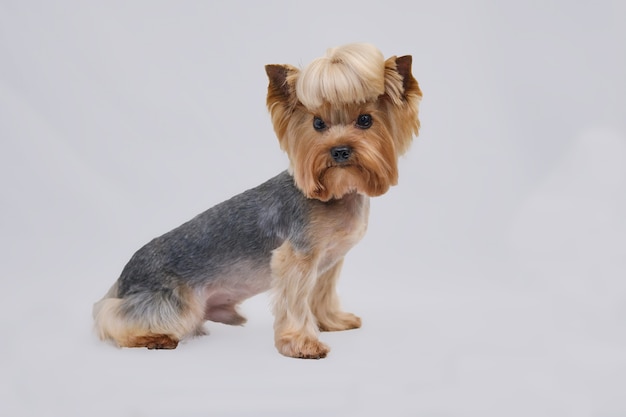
{"points": [[318, 124], [364, 121]]}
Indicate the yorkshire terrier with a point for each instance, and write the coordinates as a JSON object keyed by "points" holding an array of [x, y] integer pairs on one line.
{"points": [[343, 121]]}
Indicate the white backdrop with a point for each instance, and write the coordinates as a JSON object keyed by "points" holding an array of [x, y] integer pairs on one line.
{"points": [[491, 281]]}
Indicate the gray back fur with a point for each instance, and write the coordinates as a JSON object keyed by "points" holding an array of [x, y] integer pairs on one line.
{"points": [[246, 227]]}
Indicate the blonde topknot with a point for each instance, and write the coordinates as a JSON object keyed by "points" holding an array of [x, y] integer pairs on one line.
{"points": [[353, 73]]}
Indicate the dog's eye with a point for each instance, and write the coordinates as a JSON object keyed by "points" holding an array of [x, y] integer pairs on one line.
{"points": [[318, 124], [364, 121]]}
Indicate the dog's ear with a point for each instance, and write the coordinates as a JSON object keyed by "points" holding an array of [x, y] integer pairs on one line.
{"points": [[399, 81], [281, 97], [402, 97], [282, 81], [403, 66]]}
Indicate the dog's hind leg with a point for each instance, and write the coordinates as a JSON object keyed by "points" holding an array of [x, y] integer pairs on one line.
{"points": [[221, 306], [156, 319]]}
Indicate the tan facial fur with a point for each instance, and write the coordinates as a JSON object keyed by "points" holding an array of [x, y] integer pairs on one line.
{"points": [[349, 81]]}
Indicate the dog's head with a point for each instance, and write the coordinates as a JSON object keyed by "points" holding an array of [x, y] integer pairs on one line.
{"points": [[344, 119]]}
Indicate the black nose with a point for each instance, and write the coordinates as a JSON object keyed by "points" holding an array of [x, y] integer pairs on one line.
{"points": [[341, 153]]}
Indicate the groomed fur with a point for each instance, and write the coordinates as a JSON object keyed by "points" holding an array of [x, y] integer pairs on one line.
{"points": [[350, 74], [349, 81], [343, 121], [158, 315]]}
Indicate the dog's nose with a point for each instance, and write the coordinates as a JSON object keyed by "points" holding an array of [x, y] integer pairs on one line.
{"points": [[341, 153]]}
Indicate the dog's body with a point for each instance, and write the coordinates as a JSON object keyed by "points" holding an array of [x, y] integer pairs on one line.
{"points": [[288, 235]]}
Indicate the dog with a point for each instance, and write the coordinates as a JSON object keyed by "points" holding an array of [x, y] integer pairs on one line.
{"points": [[343, 121]]}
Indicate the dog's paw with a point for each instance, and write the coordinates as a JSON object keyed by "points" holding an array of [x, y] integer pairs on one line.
{"points": [[339, 321], [156, 341], [303, 347]]}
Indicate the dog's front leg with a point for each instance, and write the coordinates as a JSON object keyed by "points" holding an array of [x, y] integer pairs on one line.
{"points": [[325, 303], [294, 275]]}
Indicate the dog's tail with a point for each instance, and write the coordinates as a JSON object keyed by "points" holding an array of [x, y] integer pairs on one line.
{"points": [[141, 319]]}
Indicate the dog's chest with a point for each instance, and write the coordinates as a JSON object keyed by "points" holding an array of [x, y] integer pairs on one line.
{"points": [[338, 226]]}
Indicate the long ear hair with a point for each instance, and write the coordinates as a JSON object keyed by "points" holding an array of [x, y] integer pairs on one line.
{"points": [[402, 96]]}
